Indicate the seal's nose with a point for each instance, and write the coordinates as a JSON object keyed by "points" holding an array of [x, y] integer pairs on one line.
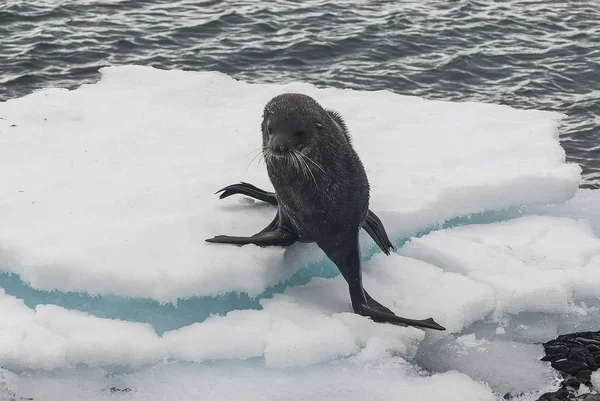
{"points": [[279, 144]]}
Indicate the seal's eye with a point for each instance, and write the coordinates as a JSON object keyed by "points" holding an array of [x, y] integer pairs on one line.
{"points": [[299, 133]]}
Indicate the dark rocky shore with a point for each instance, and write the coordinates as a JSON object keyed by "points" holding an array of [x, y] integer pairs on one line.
{"points": [[576, 356]]}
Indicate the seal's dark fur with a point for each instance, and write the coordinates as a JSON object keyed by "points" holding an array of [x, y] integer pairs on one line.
{"points": [[333, 201], [328, 206]]}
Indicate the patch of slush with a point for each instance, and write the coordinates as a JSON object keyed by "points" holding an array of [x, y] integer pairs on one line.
{"points": [[505, 366], [109, 188]]}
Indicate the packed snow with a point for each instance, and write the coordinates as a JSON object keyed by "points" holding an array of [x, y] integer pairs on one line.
{"points": [[108, 190]]}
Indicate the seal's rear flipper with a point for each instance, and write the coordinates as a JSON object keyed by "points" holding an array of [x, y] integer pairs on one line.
{"points": [[382, 317], [345, 253], [372, 225]]}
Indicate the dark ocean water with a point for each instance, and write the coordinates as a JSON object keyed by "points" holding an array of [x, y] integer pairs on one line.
{"points": [[527, 54]]}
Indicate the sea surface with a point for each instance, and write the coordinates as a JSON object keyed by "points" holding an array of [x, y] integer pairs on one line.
{"points": [[526, 54]]}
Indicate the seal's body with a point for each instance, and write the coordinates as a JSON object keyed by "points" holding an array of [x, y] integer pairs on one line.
{"points": [[330, 197], [322, 193]]}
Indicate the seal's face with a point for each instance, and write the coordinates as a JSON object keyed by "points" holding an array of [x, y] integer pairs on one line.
{"points": [[290, 132], [290, 125], [283, 136]]}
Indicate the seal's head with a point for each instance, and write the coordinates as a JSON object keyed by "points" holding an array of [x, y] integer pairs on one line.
{"points": [[290, 126]]}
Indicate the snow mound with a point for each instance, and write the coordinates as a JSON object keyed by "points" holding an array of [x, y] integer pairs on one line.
{"points": [[462, 284], [533, 264]]}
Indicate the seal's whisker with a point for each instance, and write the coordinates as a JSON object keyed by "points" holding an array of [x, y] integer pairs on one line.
{"points": [[299, 155], [305, 166], [297, 165], [305, 158], [301, 163], [293, 161], [254, 150], [312, 161], [268, 156], [259, 155]]}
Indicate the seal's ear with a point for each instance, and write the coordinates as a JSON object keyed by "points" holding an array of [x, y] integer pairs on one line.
{"points": [[319, 125]]}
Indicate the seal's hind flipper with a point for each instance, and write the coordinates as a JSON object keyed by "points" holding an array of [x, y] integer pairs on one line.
{"points": [[383, 317], [249, 190], [345, 253], [374, 227]]}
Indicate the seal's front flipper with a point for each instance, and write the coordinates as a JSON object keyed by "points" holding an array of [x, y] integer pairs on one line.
{"points": [[374, 227], [249, 190], [267, 238], [278, 232]]}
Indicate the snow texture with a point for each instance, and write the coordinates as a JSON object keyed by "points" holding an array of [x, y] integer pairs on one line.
{"points": [[109, 190], [596, 379], [391, 379]]}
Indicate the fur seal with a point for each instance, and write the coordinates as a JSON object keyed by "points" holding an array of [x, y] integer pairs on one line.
{"points": [[322, 194]]}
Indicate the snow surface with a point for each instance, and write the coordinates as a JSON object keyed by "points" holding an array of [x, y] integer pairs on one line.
{"points": [[108, 190], [596, 379], [392, 379]]}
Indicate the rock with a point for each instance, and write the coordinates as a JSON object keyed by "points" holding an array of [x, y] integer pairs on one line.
{"points": [[571, 382], [120, 390], [573, 356], [563, 364], [591, 362], [585, 376], [556, 350], [593, 348], [576, 356], [573, 371], [560, 394], [586, 341]]}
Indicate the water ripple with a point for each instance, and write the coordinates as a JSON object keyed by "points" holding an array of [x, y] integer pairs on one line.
{"points": [[527, 54]]}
